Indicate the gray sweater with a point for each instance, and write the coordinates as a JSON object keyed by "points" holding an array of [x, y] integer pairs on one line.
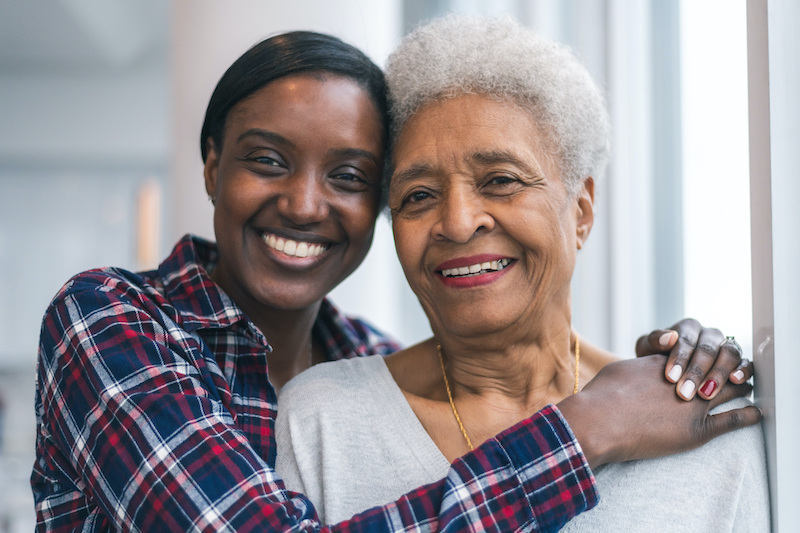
{"points": [[348, 439]]}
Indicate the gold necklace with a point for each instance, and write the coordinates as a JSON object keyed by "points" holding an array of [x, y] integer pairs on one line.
{"points": [[450, 394]]}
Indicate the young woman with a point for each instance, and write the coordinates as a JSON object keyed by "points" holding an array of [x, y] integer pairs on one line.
{"points": [[156, 392]]}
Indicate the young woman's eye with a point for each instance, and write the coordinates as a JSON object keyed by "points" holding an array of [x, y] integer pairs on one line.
{"points": [[265, 160], [351, 180]]}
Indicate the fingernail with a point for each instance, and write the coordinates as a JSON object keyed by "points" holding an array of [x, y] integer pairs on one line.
{"points": [[675, 373], [708, 387], [738, 375], [687, 389], [664, 339]]}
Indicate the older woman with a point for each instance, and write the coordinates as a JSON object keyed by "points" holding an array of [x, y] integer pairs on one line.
{"points": [[499, 137]]}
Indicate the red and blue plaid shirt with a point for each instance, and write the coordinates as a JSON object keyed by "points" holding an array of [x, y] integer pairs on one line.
{"points": [[155, 413]]}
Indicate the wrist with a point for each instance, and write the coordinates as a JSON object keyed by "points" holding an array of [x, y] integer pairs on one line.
{"points": [[588, 428]]}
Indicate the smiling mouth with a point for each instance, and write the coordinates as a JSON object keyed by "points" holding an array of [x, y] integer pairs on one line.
{"points": [[477, 269], [293, 248]]}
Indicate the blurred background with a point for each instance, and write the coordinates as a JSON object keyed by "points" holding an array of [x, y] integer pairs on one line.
{"points": [[101, 105]]}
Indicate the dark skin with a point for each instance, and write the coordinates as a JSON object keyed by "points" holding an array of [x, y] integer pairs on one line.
{"points": [[634, 433], [472, 184], [295, 186], [300, 163]]}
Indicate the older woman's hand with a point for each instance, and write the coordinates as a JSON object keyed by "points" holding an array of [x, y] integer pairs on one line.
{"points": [[629, 411], [701, 360]]}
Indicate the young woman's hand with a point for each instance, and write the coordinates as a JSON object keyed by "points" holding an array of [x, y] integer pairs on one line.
{"points": [[630, 411], [701, 360]]}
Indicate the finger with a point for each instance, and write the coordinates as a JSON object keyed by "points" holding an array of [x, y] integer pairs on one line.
{"points": [[743, 372], [721, 423], [657, 341], [728, 360], [702, 360], [688, 332], [730, 392]]}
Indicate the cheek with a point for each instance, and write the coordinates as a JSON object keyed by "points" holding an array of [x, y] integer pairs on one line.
{"points": [[410, 250], [360, 215]]}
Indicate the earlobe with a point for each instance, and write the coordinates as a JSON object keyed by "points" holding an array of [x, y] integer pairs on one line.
{"points": [[211, 168], [585, 211]]}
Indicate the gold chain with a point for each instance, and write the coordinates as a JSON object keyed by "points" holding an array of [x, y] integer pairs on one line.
{"points": [[453, 404]]}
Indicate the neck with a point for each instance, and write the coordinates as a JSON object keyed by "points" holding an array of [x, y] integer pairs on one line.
{"points": [[293, 349], [523, 376], [288, 332]]}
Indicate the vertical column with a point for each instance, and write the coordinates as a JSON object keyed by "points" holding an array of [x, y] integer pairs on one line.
{"points": [[774, 83]]}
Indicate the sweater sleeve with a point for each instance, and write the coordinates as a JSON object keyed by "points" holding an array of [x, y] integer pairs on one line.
{"points": [[132, 437]]}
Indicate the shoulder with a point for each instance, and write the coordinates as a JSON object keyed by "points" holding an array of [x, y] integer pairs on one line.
{"points": [[347, 336], [101, 291], [340, 379]]}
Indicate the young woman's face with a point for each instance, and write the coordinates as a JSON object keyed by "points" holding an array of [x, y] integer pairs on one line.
{"points": [[296, 186]]}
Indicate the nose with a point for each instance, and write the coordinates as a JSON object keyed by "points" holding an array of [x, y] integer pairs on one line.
{"points": [[462, 214], [303, 200]]}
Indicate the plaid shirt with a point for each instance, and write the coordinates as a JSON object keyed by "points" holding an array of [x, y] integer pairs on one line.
{"points": [[155, 413]]}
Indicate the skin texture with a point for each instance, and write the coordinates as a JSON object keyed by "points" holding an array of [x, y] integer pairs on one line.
{"points": [[301, 159], [472, 182]]}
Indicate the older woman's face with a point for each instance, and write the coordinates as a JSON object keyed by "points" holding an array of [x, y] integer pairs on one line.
{"points": [[485, 230]]}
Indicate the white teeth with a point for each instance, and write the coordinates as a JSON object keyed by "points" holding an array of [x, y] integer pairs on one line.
{"points": [[293, 248], [478, 268]]}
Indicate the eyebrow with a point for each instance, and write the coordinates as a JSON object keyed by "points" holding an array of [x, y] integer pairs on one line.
{"points": [[414, 171], [355, 152], [483, 157], [489, 157], [280, 139], [266, 135]]}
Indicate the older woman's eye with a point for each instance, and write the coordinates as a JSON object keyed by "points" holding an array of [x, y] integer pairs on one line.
{"points": [[501, 180], [416, 197]]}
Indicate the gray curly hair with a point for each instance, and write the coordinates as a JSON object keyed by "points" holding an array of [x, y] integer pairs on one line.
{"points": [[497, 57]]}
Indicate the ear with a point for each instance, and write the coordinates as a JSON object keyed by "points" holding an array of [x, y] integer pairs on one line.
{"points": [[211, 168], [584, 211]]}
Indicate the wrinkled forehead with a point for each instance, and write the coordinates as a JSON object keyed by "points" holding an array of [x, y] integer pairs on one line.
{"points": [[471, 130]]}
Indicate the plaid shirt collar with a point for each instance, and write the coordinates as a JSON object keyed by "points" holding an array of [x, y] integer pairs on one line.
{"points": [[202, 304]]}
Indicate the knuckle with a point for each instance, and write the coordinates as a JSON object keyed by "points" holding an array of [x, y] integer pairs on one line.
{"points": [[687, 341], [733, 421], [695, 372], [706, 348]]}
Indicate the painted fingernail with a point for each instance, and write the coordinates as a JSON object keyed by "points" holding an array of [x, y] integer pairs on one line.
{"points": [[664, 339], [687, 389], [675, 373], [708, 387], [738, 375]]}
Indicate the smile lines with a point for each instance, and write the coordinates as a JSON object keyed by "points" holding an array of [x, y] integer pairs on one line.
{"points": [[293, 248], [476, 269]]}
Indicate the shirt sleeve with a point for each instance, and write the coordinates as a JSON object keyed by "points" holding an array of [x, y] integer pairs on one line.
{"points": [[131, 437]]}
